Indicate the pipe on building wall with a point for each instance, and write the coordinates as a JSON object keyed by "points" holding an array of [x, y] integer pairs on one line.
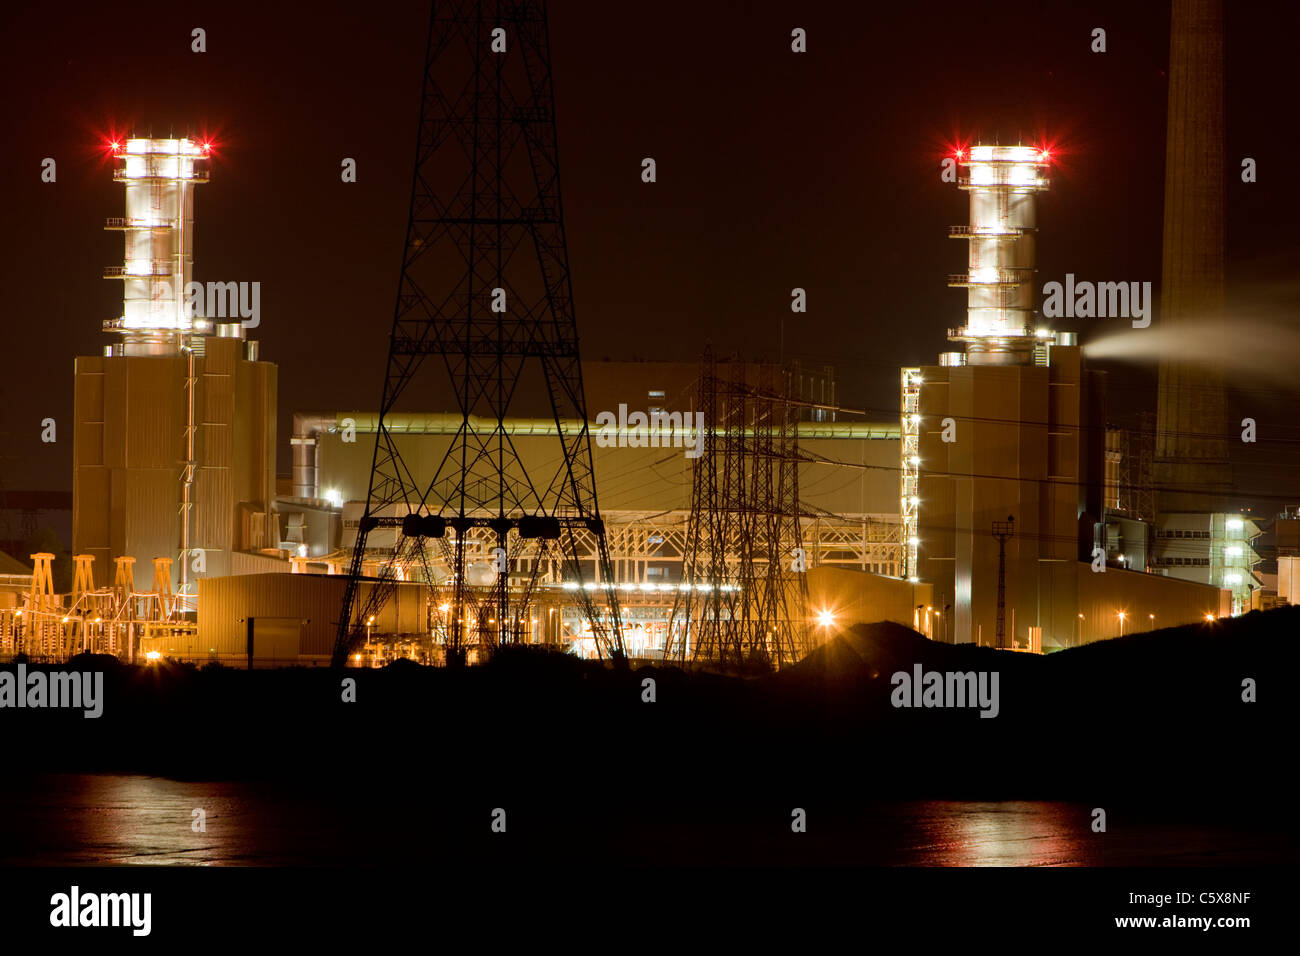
{"points": [[306, 426], [310, 424]]}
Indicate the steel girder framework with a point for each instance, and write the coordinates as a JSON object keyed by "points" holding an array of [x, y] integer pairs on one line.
{"points": [[742, 603], [485, 291], [636, 540]]}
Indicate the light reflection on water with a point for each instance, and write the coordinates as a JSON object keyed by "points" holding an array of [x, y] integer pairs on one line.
{"points": [[1001, 834], [73, 820], [89, 819], [1041, 833]]}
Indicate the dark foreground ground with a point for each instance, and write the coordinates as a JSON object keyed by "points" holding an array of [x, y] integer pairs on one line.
{"points": [[1151, 727]]}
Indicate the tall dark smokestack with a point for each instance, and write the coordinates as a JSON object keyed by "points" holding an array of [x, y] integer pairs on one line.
{"points": [[1191, 463]]}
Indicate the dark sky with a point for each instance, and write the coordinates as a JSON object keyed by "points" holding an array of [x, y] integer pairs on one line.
{"points": [[775, 170]]}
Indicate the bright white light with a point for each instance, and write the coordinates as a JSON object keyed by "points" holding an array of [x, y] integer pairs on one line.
{"points": [[570, 585], [1232, 579], [1235, 524], [914, 500], [825, 618], [1022, 175], [153, 656], [334, 497], [302, 551], [915, 459], [1233, 552], [913, 540]]}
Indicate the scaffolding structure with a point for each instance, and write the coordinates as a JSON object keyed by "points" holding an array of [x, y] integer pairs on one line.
{"points": [[910, 468], [1137, 464]]}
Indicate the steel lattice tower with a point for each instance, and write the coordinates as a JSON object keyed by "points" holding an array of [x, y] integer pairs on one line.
{"points": [[740, 603], [485, 291], [1002, 531]]}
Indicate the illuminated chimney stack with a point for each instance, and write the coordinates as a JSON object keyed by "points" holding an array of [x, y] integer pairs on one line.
{"points": [[1192, 468], [1002, 182], [159, 175]]}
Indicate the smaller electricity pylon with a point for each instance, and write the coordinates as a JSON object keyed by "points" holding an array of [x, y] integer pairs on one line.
{"points": [[1003, 531]]}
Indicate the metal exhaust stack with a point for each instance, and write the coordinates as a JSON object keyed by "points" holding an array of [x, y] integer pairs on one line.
{"points": [[159, 175], [1002, 182]]}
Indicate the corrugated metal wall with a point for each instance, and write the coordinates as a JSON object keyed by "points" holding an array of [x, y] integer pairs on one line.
{"points": [[650, 479], [129, 445], [225, 604]]}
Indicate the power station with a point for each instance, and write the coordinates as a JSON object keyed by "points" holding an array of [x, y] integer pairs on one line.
{"points": [[174, 453], [1003, 477], [1001, 508]]}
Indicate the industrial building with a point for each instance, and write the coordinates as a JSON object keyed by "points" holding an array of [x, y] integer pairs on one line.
{"points": [[1010, 479], [841, 596], [175, 449], [848, 485], [175, 434], [174, 457], [645, 491], [276, 620], [1003, 508], [1215, 549], [1004, 451]]}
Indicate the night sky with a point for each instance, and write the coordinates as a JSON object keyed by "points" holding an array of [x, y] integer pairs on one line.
{"points": [[775, 170]]}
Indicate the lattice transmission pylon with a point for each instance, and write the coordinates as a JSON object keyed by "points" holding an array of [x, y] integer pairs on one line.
{"points": [[744, 597], [485, 291]]}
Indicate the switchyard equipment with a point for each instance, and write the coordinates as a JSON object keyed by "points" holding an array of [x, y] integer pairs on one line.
{"points": [[116, 620], [744, 594]]}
